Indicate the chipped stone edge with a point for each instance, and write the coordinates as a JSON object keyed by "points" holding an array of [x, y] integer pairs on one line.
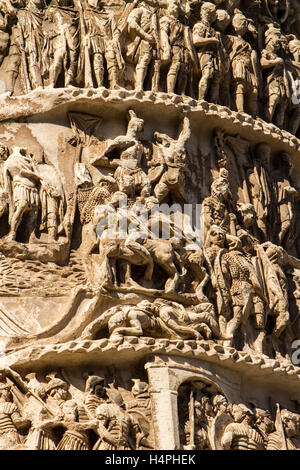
{"points": [[35, 103]]}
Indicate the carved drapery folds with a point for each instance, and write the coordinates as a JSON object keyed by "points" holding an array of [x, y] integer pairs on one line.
{"points": [[149, 225]]}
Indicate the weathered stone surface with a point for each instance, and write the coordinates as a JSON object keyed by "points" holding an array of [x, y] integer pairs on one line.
{"points": [[149, 229]]}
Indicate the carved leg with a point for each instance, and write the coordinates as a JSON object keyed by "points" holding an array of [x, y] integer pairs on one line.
{"points": [[16, 220], [215, 91], [141, 73], [273, 101], [11, 80], [204, 83], [35, 74], [56, 67], [239, 96], [31, 224], [280, 114], [253, 103], [98, 65], [172, 75]]}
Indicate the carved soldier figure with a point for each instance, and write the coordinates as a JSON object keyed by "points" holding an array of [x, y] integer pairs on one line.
{"points": [[208, 44], [286, 438], [216, 207], [40, 436], [10, 420], [260, 184], [21, 181], [176, 48], [130, 177], [114, 425], [101, 44], [172, 160], [144, 48], [286, 197], [274, 262], [140, 408], [245, 70], [4, 34], [277, 81], [76, 434], [61, 30], [241, 434], [26, 50], [235, 279], [264, 423]]}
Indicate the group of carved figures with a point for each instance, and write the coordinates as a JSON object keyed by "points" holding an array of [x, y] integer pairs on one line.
{"points": [[237, 288], [39, 415], [209, 422], [196, 46], [30, 194], [241, 287]]}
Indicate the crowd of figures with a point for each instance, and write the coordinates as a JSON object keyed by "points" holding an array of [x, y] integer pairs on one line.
{"points": [[42, 415], [240, 287], [251, 47], [48, 413], [209, 422]]}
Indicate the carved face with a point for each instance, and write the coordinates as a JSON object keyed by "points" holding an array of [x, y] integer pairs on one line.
{"points": [[59, 393], [217, 236], [263, 153], [208, 12], [223, 20], [238, 413], [264, 421], [173, 8], [5, 395], [290, 424], [221, 188], [240, 24], [247, 214]]}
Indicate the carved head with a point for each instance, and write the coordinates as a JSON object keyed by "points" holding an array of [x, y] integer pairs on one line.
{"points": [[290, 422], [263, 153], [135, 125], [56, 388], [286, 164], [240, 412], [94, 384], [240, 24], [220, 188], [276, 254], [208, 12], [246, 214], [139, 387], [220, 404], [70, 411], [264, 421], [223, 20], [4, 152], [216, 236], [5, 393], [173, 8]]}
